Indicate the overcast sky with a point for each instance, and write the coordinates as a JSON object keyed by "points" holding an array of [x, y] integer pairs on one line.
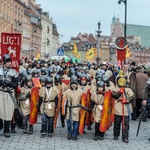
{"points": [[75, 16]]}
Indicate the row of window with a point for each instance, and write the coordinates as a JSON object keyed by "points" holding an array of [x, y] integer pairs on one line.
{"points": [[6, 8], [19, 11], [138, 59], [142, 54]]}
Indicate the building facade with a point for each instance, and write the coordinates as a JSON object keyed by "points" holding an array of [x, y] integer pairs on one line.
{"points": [[6, 16], [85, 42]]}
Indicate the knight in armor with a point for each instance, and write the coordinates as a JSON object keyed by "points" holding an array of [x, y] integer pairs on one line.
{"points": [[73, 96], [25, 97], [8, 82], [49, 97], [123, 108]]}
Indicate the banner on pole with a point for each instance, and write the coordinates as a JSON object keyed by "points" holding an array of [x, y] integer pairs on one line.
{"points": [[11, 44]]}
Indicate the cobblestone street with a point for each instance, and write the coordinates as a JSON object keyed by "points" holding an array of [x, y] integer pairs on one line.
{"points": [[59, 141]]}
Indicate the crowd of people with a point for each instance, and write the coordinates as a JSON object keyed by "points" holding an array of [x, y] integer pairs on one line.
{"points": [[122, 91]]}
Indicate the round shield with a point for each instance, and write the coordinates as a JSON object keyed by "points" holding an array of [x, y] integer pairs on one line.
{"points": [[121, 43], [122, 81]]}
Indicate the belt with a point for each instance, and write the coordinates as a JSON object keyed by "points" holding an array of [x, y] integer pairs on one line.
{"points": [[49, 101]]}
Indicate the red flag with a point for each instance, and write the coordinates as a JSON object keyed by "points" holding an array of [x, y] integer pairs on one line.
{"points": [[121, 55], [11, 44]]}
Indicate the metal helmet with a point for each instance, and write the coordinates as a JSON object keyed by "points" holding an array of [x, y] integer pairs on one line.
{"points": [[99, 77], [50, 71], [106, 80], [83, 77], [88, 78], [61, 72], [43, 71], [72, 72], [78, 74], [100, 84], [27, 79], [35, 72], [57, 78], [73, 80], [6, 58], [49, 80], [29, 72], [23, 74], [43, 78], [86, 70]]}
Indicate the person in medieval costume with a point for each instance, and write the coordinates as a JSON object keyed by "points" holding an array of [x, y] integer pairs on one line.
{"points": [[25, 97], [8, 82], [83, 83], [123, 108], [73, 97], [61, 87], [98, 98], [85, 88], [49, 97], [42, 82]]}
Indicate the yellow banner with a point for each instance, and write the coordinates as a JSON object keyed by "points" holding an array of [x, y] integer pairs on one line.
{"points": [[128, 52], [75, 51], [90, 53], [38, 56]]}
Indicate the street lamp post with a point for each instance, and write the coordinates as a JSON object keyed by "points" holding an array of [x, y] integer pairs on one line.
{"points": [[98, 46], [125, 22]]}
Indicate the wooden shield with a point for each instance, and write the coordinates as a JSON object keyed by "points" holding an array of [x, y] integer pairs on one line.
{"points": [[33, 105], [58, 108], [88, 114], [66, 81], [64, 101], [36, 82], [82, 114], [106, 112]]}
